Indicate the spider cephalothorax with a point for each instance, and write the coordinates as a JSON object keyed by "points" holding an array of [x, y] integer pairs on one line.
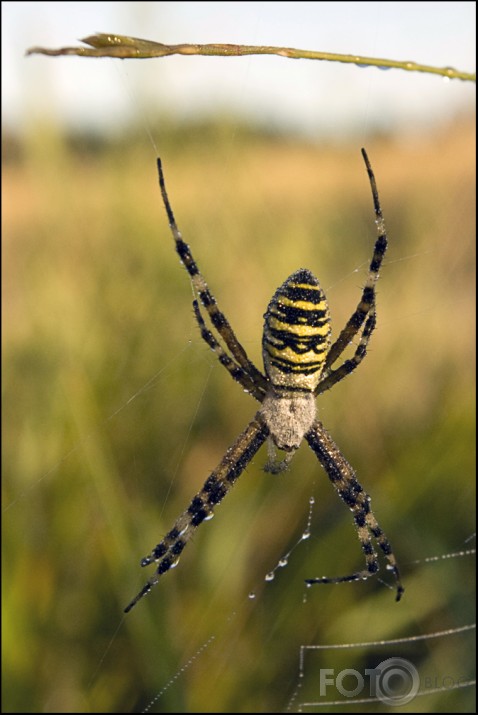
{"points": [[298, 361]]}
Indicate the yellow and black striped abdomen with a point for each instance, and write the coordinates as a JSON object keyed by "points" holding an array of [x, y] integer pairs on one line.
{"points": [[296, 334]]}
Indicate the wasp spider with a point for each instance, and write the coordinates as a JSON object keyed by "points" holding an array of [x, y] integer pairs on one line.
{"points": [[298, 360]]}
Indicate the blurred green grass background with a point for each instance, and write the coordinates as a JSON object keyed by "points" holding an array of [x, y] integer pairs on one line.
{"points": [[115, 411]]}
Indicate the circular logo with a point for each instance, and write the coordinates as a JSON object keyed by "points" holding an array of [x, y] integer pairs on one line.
{"points": [[396, 681]]}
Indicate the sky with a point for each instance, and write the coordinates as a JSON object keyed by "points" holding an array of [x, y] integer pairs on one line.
{"points": [[303, 95]]}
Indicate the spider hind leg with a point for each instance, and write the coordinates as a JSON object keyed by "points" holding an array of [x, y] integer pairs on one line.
{"points": [[363, 319]]}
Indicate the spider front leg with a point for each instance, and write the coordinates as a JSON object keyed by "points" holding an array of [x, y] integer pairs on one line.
{"points": [[351, 492], [166, 554]]}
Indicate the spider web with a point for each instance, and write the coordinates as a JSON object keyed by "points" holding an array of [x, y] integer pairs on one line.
{"points": [[273, 638], [320, 676], [307, 661], [204, 655]]}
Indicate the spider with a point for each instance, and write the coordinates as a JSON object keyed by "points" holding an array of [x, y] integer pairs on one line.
{"points": [[298, 358]]}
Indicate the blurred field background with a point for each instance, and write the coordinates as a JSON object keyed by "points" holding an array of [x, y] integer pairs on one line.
{"points": [[115, 411]]}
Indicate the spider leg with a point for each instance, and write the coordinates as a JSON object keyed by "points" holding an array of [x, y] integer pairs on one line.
{"points": [[345, 482], [166, 554], [366, 305], [208, 301], [330, 377], [234, 369]]}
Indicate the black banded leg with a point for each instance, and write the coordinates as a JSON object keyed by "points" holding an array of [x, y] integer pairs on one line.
{"points": [[231, 366], [367, 301], [166, 554], [208, 301], [331, 377], [345, 482]]}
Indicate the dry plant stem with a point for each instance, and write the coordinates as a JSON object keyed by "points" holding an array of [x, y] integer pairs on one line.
{"points": [[123, 47]]}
